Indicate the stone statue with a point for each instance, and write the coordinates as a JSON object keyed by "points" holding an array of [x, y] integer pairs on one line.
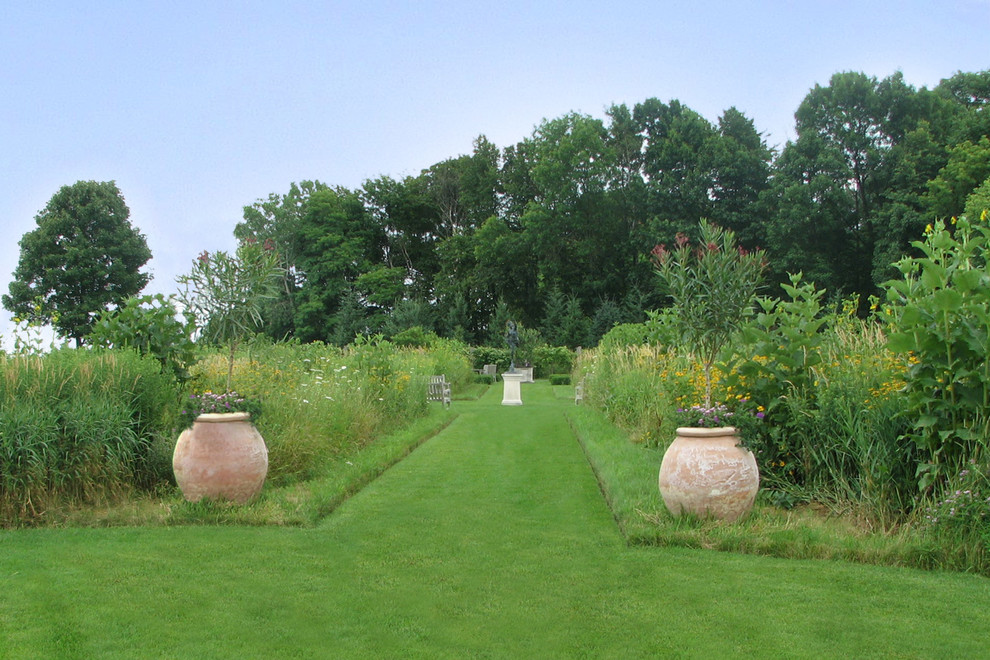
{"points": [[512, 339]]}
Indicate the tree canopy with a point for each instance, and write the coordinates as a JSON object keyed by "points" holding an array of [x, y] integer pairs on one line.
{"points": [[83, 258], [556, 230]]}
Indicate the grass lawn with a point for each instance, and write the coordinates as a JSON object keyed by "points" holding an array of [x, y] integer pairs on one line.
{"points": [[491, 540]]}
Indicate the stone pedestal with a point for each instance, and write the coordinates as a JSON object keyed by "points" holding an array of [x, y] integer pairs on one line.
{"points": [[527, 374], [510, 389]]}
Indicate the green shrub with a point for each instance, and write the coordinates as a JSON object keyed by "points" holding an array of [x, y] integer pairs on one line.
{"points": [[482, 355], [150, 325], [560, 379], [662, 327], [415, 336], [552, 360], [530, 341], [623, 335], [831, 394], [451, 358], [484, 379], [712, 287], [961, 514], [638, 388]]}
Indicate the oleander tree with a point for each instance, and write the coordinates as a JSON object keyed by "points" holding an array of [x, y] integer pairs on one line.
{"points": [[225, 293], [712, 286]]}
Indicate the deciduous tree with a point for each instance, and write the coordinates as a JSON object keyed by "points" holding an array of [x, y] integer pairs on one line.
{"points": [[85, 257]]}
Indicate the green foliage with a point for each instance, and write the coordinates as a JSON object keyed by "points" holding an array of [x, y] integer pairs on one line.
{"points": [[712, 288], [350, 320], [224, 293], [825, 386], [29, 335], [639, 388], [564, 323], [556, 226], [414, 336], [549, 360], [339, 240], [80, 427], [675, 160], [278, 220], [530, 341], [961, 514], [195, 405], [662, 327], [624, 334], [608, 314], [852, 446], [967, 168], [83, 258], [560, 379], [482, 355], [383, 287], [408, 314], [979, 201], [452, 359], [941, 321], [782, 347], [150, 325]]}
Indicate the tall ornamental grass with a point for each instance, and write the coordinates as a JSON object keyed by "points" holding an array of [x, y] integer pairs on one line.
{"points": [[638, 387], [80, 427]]}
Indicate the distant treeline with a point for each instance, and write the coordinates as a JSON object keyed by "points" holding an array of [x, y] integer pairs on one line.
{"points": [[556, 231]]}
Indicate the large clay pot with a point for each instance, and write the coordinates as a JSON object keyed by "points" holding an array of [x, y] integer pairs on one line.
{"points": [[706, 473], [222, 456]]}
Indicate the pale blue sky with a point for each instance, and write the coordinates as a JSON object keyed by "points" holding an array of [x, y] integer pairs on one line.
{"points": [[197, 109]]}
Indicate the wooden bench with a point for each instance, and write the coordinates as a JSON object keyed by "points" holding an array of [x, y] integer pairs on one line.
{"points": [[439, 390]]}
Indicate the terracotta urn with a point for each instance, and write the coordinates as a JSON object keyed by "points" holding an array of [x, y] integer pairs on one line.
{"points": [[221, 456], [704, 472]]}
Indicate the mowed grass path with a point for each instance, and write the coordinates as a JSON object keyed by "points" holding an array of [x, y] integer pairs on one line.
{"points": [[491, 540]]}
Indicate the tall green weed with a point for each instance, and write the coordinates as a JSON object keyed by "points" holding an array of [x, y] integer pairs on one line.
{"points": [[940, 312], [638, 387]]}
